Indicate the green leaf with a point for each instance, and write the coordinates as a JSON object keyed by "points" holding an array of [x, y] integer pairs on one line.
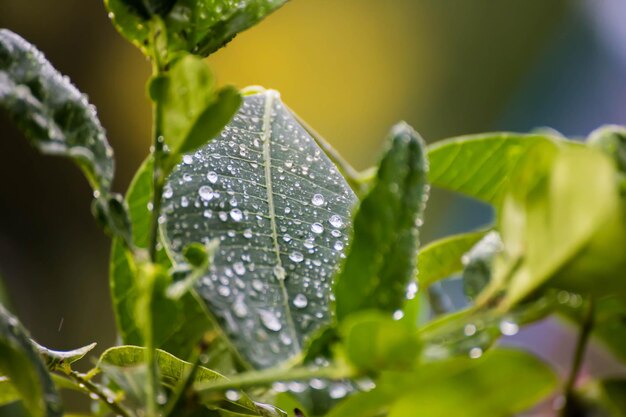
{"points": [[193, 112], [480, 166], [383, 253], [51, 111], [373, 342], [561, 209], [197, 26], [610, 394], [442, 258], [8, 393], [457, 387], [60, 360], [179, 324], [21, 363], [479, 264], [281, 211], [171, 369], [612, 141]]}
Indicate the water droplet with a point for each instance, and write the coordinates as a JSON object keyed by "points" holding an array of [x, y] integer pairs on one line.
{"points": [[300, 301], [270, 321], [212, 177], [232, 395], [469, 330], [317, 383], [223, 291], [279, 272], [309, 244], [236, 215], [338, 391], [184, 202], [317, 228], [338, 245], [247, 233], [335, 221], [168, 192], [508, 328], [411, 290], [206, 193], [317, 200], [296, 256], [188, 159], [475, 353], [286, 237], [398, 314], [239, 268], [257, 285]]}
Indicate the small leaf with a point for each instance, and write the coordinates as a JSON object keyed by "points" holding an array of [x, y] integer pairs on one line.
{"points": [[479, 263], [374, 342], [281, 211], [442, 258], [383, 253], [197, 26], [21, 363], [480, 166], [57, 360], [193, 112], [171, 370], [179, 324], [51, 111], [457, 387]]}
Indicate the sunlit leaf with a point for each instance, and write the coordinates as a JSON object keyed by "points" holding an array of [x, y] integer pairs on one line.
{"points": [[442, 258], [50, 111], [21, 363], [197, 26], [281, 211], [381, 260], [8, 393], [480, 166], [457, 387], [60, 360]]}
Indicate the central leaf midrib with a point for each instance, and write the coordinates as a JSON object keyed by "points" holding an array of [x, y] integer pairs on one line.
{"points": [[267, 163]]}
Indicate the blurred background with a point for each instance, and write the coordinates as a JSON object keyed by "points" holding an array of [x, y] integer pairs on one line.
{"points": [[351, 68]]}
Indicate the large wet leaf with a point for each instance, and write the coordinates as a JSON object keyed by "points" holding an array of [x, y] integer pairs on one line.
{"points": [[481, 166], [197, 26], [21, 363], [383, 255], [281, 211], [51, 111], [178, 323]]}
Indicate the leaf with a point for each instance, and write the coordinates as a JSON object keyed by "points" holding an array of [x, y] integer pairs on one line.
{"points": [[51, 111], [193, 112], [179, 324], [171, 369], [480, 166], [21, 363], [442, 258], [8, 393], [382, 257], [281, 211], [60, 360], [479, 263], [611, 140], [373, 342], [560, 208], [457, 387], [197, 26]]}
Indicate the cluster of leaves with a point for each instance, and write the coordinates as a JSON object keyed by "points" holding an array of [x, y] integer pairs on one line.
{"points": [[251, 265]]}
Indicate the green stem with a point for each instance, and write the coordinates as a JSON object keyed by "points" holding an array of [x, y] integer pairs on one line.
{"points": [[579, 354], [95, 389], [269, 376]]}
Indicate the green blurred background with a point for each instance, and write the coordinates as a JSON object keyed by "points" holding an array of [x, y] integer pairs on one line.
{"points": [[351, 68]]}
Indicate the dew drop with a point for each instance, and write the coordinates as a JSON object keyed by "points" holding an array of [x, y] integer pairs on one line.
{"points": [[508, 328], [279, 272], [338, 245], [317, 200], [232, 395], [338, 391], [317, 228], [239, 308], [236, 215], [206, 193], [188, 159], [223, 291], [469, 330], [247, 233], [335, 221], [475, 352], [212, 177], [168, 192], [300, 301], [239, 268], [296, 256], [270, 321], [257, 285]]}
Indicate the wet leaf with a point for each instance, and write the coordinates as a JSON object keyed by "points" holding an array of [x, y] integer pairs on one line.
{"points": [[457, 387], [60, 360], [480, 166], [50, 111], [281, 211], [382, 257], [21, 363], [442, 258], [179, 324], [197, 26], [479, 263]]}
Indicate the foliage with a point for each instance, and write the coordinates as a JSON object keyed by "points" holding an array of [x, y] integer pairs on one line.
{"points": [[255, 273]]}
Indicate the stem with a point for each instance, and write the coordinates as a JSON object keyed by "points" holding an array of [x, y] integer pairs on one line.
{"points": [[581, 345], [269, 376], [116, 407]]}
